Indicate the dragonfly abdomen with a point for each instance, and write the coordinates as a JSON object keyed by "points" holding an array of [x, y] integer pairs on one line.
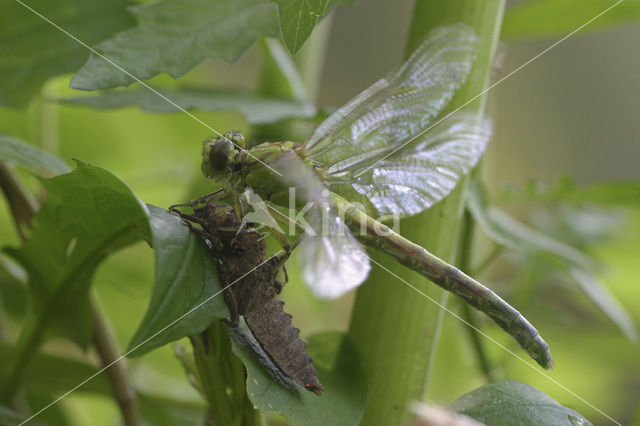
{"points": [[449, 278], [272, 328]]}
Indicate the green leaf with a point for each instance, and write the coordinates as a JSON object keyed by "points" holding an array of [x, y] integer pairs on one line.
{"points": [[256, 109], [53, 375], [513, 403], [174, 36], [20, 153], [8, 417], [299, 17], [625, 194], [339, 371], [578, 267], [605, 301], [88, 214], [161, 411], [608, 194], [507, 231], [34, 50], [187, 295], [553, 18]]}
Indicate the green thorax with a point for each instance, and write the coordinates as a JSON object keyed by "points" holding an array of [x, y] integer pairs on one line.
{"points": [[226, 160], [262, 179]]}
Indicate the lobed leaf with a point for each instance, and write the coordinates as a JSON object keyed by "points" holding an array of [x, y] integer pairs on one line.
{"points": [[89, 213], [554, 18], [9, 418], [513, 403], [20, 153], [298, 18], [53, 375], [578, 267], [162, 411], [33, 50], [186, 295], [625, 194], [507, 231], [173, 36], [256, 109], [339, 371]]}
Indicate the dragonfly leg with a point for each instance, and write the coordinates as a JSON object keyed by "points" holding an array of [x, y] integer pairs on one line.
{"points": [[216, 195], [188, 219], [234, 309]]}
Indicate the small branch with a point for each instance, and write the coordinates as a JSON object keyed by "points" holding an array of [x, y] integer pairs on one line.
{"points": [[22, 204], [487, 261], [23, 208], [122, 391], [463, 261]]}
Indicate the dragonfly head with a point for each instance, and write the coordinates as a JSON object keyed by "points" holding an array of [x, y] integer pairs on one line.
{"points": [[217, 154]]}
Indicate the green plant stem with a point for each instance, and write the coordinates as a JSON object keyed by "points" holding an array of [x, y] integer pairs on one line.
{"points": [[488, 260], [222, 378], [394, 328], [23, 207], [463, 261]]}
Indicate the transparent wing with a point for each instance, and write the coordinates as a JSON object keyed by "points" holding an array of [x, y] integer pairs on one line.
{"points": [[260, 213], [333, 260], [398, 107], [427, 169]]}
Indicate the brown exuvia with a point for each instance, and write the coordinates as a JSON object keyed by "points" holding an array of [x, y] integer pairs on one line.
{"points": [[251, 286]]}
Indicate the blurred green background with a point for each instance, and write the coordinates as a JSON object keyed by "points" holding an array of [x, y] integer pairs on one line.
{"points": [[574, 112]]}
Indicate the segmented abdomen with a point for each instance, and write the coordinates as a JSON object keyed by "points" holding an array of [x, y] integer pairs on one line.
{"points": [[272, 328]]}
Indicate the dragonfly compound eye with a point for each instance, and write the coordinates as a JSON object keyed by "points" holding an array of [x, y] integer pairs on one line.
{"points": [[216, 156], [219, 154]]}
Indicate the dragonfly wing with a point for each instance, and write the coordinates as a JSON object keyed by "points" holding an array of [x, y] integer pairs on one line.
{"points": [[260, 213], [428, 169], [334, 261], [398, 107]]}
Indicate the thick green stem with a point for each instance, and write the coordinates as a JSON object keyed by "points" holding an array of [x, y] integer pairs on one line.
{"points": [[27, 346], [221, 377], [394, 328]]}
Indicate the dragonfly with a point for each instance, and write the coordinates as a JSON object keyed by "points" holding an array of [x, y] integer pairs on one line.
{"points": [[384, 153]]}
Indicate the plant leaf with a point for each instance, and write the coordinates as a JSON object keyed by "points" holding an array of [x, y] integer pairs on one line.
{"points": [[256, 109], [514, 403], [53, 375], [339, 371], [174, 36], [88, 214], [162, 411], [605, 301], [298, 18], [20, 153], [549, 18], [507, 231], [10, 418], [34, 50], [186, 295], [624, 194]]}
